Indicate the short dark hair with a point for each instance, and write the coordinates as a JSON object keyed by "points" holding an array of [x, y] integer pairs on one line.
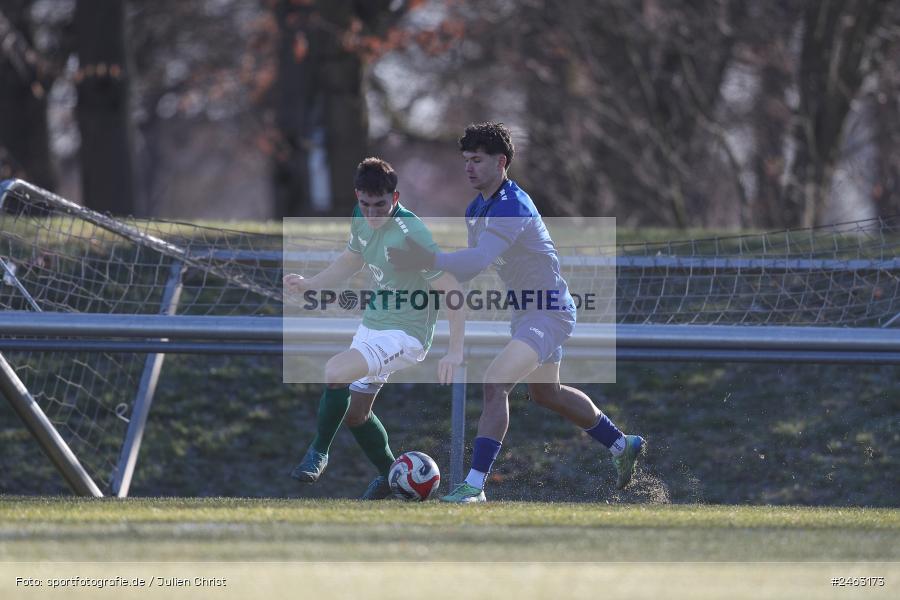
{"points": [[493, 138], [375, 176]]}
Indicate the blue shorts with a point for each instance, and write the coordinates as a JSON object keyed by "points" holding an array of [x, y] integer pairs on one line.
{"points": [[544, 332]]}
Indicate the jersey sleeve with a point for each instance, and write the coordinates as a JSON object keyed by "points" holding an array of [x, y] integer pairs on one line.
{"points": [[503, 224], [353, 244], [508, 219], [469, 262], [422, 236]]}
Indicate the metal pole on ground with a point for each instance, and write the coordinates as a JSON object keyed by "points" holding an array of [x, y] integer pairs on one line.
{"points": [[458, 426], [131, 447], [42, 429]]}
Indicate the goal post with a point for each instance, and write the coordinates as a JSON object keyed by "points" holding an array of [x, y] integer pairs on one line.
{"points": [[53, 445], [131, 447]]}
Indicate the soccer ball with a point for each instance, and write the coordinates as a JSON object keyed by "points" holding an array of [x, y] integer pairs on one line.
{"points": [[414, 476]]}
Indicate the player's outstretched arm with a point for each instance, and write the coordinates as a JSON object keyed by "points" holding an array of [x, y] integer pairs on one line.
{"points": [[463, 264], [346, 264], [448, 364]]}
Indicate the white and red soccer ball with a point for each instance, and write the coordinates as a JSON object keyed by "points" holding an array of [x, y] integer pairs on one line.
{"points": [[414, 476]]}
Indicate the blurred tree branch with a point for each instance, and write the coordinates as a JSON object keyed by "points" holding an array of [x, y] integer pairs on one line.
{"points": [[25, 79], [320, 91], [838, 52]]}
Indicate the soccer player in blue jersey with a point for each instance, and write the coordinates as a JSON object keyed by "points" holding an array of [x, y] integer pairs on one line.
{"points": [[505, 229]]}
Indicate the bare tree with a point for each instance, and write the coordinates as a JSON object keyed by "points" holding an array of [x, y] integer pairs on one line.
{"points": [[684, 112], [103, 107], [320, 94], [25, 80], [886, 99], [771, 58], [624, 99], [838, 51], [695, 112]]}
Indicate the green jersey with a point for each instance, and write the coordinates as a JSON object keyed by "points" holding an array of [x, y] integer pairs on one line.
{"points": [[384, 311]]}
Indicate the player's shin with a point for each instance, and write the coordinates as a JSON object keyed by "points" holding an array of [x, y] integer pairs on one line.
{"points": [[332, 407], [373, 439], [606, 432], [484, 454]]}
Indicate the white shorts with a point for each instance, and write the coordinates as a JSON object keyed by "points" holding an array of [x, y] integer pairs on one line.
{"points": [[386, 351]]}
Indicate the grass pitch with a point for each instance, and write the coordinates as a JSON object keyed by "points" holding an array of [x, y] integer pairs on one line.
{"points": [[170, 529], [336, 549]]}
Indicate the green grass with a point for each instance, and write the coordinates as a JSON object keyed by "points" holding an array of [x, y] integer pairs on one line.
{"points": [[19, 509], [263, 548], [42, 528]]}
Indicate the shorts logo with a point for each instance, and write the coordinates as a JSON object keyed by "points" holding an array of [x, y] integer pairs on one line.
{"points": [[392, 356], [539, 333]]}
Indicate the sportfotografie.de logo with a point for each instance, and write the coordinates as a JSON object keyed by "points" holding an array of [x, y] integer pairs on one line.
{"points": [[473, 300]]}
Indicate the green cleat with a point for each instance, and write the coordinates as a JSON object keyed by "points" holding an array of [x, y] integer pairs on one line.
{"points": [[310, 468], [379, 489], [465, 493], [635, 446]]}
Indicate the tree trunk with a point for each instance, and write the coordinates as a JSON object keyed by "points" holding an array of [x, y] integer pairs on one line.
{"points": [[346, 127], [770, 117], [346, 117], [321, 100], [886, 192], [770, 35], [24, 135], [294, 103], [836, 44], [103, 107]]}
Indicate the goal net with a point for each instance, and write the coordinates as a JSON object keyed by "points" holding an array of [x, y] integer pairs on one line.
{"points": [[846, 275], [56, 256]]}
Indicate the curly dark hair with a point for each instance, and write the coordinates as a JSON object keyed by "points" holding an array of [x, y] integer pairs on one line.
{"points": [[493, 138], [375, 176]]}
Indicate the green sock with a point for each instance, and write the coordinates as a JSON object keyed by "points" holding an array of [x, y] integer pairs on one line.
{"points": [[332, 408], [373, 439]]}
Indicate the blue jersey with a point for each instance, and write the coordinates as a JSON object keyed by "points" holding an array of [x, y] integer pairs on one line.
{"points": [[510, 233]]}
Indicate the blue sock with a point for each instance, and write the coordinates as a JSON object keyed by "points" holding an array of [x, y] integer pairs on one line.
{"points": [[605, 432], [484, 454]]}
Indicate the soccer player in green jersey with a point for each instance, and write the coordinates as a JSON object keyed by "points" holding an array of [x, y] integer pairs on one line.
{"points": [[391, 336]]}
